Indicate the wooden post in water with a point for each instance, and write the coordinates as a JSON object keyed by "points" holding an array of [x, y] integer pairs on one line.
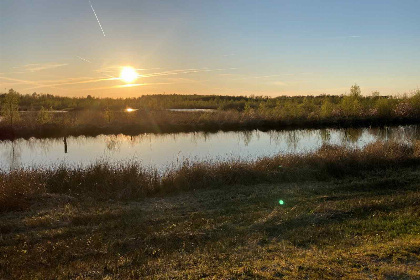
{"points": [[65, 145]]}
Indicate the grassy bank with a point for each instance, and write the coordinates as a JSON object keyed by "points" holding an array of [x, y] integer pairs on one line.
{"points": [[131, 181], [363, 227]]}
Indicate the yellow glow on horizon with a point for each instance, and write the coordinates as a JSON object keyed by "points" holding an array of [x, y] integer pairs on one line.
{"points": [[128, 74], [129, 110]]}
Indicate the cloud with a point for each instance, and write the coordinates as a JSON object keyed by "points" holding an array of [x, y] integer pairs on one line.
{"points": [[127, 86], [349, 36], [35, 67], [278, 83], [19, 81], [84, 59]]}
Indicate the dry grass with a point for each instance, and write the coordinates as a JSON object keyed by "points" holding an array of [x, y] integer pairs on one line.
{"points": [[131, 181], [349, 228]]}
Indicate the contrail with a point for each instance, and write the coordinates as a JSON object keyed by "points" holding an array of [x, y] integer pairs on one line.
{"points": [[84, 59], [93, 10], [29, 82], [128, 86]]}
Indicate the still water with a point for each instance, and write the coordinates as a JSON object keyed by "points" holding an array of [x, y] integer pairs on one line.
{"points": [[169, 150]]}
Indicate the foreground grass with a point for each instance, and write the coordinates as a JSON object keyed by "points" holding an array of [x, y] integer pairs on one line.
{"points": [[364, 227], [131, 181]]}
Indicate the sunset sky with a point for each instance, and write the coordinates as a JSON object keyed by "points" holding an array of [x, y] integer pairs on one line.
{"points": [[242, 47]]}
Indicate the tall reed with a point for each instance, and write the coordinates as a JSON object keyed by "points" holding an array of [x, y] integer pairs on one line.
{"points": [[133, 181]]}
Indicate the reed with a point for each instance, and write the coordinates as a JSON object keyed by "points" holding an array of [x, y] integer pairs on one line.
{"points": [[132, 181]]}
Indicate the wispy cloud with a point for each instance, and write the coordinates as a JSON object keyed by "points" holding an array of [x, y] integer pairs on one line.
{"points": [[35, 67], [46, 83], [37, 84], [278, 83], [116, 69], [112, 76], [76, 82], [127, 86], [348, 36], [183, 71], [84, 59]]}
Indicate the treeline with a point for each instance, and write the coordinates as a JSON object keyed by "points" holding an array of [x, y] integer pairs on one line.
{"points": [[323, 106], [34, 102], [32, 115]]}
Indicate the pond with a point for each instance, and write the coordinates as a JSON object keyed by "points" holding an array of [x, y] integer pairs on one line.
{"points": [[170, 150]]}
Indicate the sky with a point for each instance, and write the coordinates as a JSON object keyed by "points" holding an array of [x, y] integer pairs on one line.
{"points": [[229, 47]]}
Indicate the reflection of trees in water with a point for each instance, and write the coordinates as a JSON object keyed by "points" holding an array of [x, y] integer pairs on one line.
{"points": [[12, 154], [145, 137], [292, 139], [80, 140], [325, 135], [397, 134], [404, 133], [276, 137], [382, 133], [246, 136], [43, 145], [200, 136], [413, 132], [351, 135], [113, 143]]}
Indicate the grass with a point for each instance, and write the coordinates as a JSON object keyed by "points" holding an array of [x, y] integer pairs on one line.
{"points": [[347, 214], [364, 227], [132, 181]]}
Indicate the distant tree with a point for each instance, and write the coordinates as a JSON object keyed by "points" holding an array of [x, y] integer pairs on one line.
{"points": [[327, 108], [10, 107], [351, 104], [43, 116], [108, 114], [385, 106], [355, 91], [375, 93]]}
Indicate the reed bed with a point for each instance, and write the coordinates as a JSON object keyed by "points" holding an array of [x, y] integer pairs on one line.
{"points": [[132, 181]]}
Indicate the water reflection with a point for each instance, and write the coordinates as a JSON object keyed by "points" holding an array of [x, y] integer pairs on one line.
{"points": [[352, 135], [325, 135], [171, 149], [12, 154]]}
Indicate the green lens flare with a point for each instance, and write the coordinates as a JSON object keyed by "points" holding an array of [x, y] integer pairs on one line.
{"points": [[281, 202]]}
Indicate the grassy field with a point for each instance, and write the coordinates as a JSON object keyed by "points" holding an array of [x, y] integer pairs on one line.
{"points": [[364, 227], [351, 214]]}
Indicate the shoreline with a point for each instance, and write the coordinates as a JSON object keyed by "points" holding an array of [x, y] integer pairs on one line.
{"points": [[54, 130]]}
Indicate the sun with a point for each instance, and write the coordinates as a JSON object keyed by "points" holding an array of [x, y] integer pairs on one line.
{"points": [[128, 74]]}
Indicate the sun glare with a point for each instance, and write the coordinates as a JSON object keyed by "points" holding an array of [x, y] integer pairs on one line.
{"points": [[128, 74]]}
